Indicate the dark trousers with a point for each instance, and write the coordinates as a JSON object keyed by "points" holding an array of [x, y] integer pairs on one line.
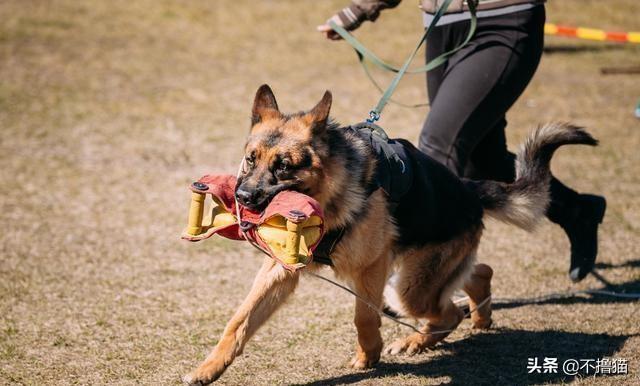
{"points": [[471, 93]]}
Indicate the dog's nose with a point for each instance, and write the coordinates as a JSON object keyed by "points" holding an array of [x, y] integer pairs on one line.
{"points": [[250, 197], [244, 197]]}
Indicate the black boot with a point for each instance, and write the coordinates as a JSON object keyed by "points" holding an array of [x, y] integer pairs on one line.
{"points": [[579, 215], [583, 235]]}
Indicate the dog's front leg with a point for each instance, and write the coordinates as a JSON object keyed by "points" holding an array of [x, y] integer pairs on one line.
{"points": [[271, 287], [369, 283]]}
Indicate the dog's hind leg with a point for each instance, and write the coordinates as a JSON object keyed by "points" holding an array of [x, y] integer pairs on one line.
{"points": [[369, 283], [439, 325], [478, 287], [271, 287], [427, 278]]}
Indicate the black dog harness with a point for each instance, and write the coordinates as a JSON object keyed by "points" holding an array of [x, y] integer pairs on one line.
{"points": [[394, 175]]}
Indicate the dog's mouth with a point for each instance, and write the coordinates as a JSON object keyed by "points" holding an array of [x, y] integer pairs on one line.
{"points": [[259, 204]]}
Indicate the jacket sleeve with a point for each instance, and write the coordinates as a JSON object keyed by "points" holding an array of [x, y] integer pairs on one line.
{"points": [[372, 8], [361, 10]]}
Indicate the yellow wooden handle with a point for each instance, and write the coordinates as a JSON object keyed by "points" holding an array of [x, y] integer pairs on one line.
{"points": [[294, 232], [196, 211]]}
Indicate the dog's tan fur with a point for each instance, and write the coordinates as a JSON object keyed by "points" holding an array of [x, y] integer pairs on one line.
{"points": [[365, 258]]}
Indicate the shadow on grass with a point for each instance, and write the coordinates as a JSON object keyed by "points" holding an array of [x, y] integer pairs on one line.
{"points": [[497, 358], [631, 287], [626, 264]]}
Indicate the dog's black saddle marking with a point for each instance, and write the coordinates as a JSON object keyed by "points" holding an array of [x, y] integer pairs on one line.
{"points": [[394, 175]]}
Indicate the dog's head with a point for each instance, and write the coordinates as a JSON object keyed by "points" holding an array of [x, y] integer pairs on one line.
{"points": [[283, 152]]}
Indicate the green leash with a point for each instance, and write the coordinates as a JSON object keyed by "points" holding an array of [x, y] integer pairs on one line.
{"points": [[363, 53]]}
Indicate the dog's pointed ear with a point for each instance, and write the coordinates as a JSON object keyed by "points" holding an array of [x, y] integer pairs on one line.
{"points": [[264, 105], [317, 117]]}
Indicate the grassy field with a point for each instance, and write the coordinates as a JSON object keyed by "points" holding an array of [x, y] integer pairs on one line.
{"points": [[108, 109]]}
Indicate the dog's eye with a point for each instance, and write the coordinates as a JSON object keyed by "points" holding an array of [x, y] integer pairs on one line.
{"points": [[283, 169], [250, 160]]}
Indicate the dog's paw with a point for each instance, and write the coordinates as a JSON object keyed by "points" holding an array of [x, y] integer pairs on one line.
{"points": [[362, 362], [482, 323], [403, 345], [190, 380], [411, 345], [195, 380], [205, 374]]}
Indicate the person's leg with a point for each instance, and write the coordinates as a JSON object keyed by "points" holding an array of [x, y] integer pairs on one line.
{"points": [[579, 215], [437, 45], [490, 159], [481, 82], [465, 128]]}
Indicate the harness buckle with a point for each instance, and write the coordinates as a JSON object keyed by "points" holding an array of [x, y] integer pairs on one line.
{"points": [[373, 116]]}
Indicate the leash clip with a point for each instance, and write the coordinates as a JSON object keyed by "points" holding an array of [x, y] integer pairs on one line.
{"points": [[245, 226], [404, 168], [373, 116]]}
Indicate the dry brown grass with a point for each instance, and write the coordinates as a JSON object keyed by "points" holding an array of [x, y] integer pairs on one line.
{"points": [[108, 110]]}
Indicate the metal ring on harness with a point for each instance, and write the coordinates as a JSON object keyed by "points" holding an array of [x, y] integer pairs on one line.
{"points": [[373, 116]]}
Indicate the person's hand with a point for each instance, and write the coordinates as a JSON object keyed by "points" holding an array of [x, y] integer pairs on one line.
{"points": [[348, 18], [326, 29]]}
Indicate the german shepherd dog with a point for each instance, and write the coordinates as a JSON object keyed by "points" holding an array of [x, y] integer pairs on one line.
{"points": [[428, 242]]}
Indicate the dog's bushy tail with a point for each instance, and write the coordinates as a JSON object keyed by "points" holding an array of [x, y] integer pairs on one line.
{"points": [[524, 202]]}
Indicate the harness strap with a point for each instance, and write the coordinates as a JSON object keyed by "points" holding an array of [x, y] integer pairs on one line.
{"points": [[363, 53], [325, 248], [393, 175]]}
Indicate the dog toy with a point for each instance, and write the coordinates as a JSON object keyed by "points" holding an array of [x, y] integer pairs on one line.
{"points": [[288, 230]]}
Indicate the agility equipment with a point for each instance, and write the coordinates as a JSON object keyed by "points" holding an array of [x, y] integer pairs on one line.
{"points": [[591, 34], [619, 70], [288, 230]]}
